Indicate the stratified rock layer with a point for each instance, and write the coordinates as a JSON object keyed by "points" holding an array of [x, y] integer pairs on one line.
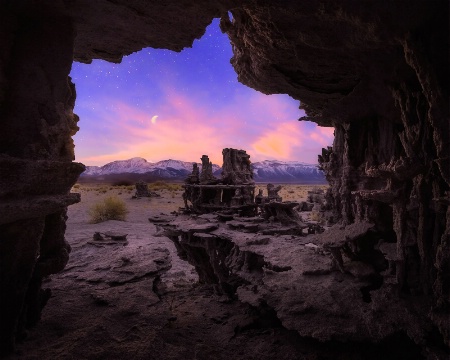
{"points": [[377, 71]]}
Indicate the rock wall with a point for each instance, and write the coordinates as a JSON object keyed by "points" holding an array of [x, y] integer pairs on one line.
{"points": [[377, 71], [38, 42], [36, 153]]}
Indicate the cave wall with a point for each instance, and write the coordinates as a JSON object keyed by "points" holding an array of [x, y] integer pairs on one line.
{"points": [[36, 154], [377, 71], [39, 40]]}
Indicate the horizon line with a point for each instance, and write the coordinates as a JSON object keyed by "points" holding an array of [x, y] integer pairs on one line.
{"points": [[154, 162]]}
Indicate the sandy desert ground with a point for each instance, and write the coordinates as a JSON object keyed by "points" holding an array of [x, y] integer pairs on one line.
{"points": [[140, 301]]}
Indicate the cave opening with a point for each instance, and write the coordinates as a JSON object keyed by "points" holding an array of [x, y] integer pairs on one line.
{"points": [[159, 104], [147, 104], [111, 125], [376, 71]]}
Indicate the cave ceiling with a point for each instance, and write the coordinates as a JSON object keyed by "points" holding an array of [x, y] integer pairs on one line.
{"points": [[339, 58]]}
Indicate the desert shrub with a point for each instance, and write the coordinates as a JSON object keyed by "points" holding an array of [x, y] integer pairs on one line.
{"points": [[76, 186], [111, 208], [162, 185]]}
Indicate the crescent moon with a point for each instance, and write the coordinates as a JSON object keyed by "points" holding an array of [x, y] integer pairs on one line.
{"points": [[154, 119]]}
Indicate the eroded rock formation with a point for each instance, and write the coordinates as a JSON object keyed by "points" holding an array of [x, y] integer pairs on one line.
{"points": [[36, 154], [236, 168], [234, 192], [378, 78], [377, 71], [142, 190], [303, 278]]}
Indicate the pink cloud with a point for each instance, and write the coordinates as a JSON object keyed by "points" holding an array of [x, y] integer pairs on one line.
{"points": [[175, 136], [277, 143], [186, 128], [292, 141]]}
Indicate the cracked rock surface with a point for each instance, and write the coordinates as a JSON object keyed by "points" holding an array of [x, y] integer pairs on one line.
{"points": [[116, 300], [298, 278]]}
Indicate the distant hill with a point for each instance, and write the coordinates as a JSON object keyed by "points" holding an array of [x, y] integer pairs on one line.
{"points": [[175, 170]]}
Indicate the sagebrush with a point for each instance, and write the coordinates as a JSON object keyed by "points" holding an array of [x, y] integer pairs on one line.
{"points": [[110, 208], [162, 185]]}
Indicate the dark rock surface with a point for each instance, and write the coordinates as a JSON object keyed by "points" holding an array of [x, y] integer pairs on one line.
{"points": [[351, 299], [236, 168], [377, 71], [37, 122], [116, 300]]}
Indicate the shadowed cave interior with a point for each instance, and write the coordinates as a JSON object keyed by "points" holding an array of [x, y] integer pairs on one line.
{"points": [[376, 71]]}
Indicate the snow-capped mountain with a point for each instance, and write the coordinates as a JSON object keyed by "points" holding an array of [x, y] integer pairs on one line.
{"points": [[286, 171], [135, 165], [165, 169], [264, 171]]}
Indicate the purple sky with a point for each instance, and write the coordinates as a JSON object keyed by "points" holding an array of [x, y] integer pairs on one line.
{"points": [[159, 104]]}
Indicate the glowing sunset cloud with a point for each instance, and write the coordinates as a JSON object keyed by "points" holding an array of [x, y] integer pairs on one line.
{"points": [[292, 141], [159, 104], [278, 143]]}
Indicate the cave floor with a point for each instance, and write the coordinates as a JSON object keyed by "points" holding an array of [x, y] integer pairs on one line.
{"points": [[140, 301]]}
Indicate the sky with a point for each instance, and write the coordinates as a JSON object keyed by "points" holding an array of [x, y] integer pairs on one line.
{"points": [[159, 105]]}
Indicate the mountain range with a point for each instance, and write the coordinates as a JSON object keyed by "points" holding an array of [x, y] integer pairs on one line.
{"points": [[175, 170]]}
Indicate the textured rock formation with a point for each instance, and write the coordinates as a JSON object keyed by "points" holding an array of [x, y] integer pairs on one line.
{"points": [[377, 71], [312, 287], [235, 192], [142, 190], [38, 42], [236, 168], [132, 25], [206, 175], [37, 122]]}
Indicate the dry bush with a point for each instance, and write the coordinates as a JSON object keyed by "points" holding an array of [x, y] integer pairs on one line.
{"points": [[111, 208], [102, 190], [76, 186], [162, 185]]}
